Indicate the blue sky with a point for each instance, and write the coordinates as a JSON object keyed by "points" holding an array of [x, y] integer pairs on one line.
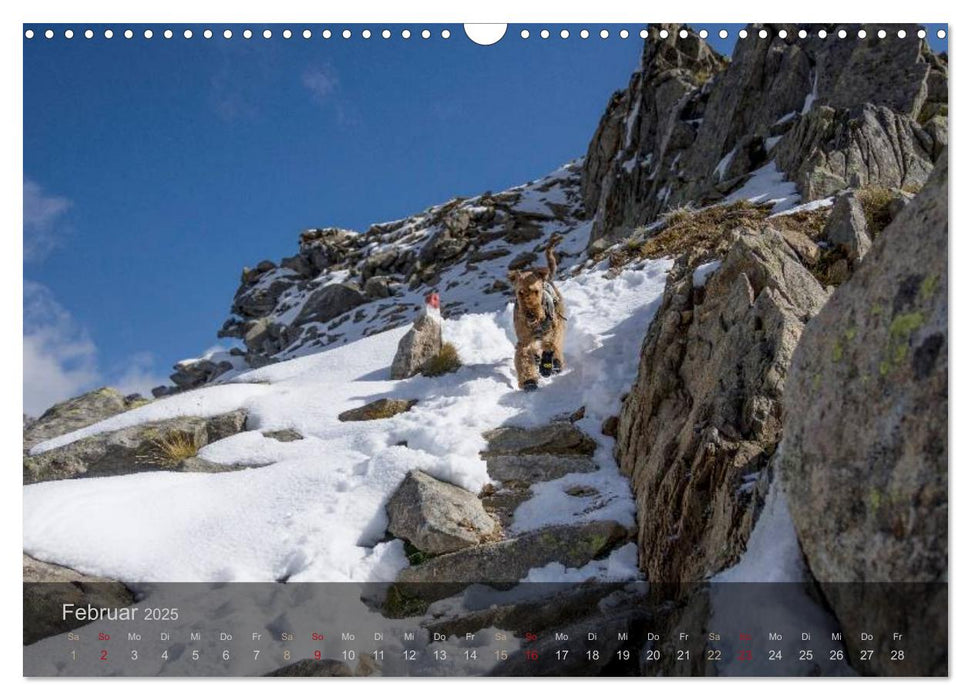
{"points": [[154, 170]]}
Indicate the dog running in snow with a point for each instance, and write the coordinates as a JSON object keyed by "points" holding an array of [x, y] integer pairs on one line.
{"points": [[539, 315]]}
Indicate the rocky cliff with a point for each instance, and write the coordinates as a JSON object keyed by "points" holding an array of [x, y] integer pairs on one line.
{"points": [[865, 438], [827, 113]]}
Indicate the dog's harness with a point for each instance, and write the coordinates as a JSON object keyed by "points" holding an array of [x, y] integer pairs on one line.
{"points": [[549, 310]]}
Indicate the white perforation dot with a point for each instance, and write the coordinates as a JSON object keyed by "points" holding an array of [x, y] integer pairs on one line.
{"points": [[88, 34], [69, 34], [306, 33], [29, 34], [326, 34], [921, 33], [207, 34], [763, 34], [366, 33], [228, 34], [683, 33], [861, 33], [545, 34], [822, 34], [267, 34], [604, 34], [129, 33], [742, 34], [386, 34], [187, 33], [49, 34], [167, 33], [446, 34], [405, 33], [841, 33], [247, 34], [584, 34], [783, 33], [287, 34], [148, 34], [941, 34], [425, 34], [882, 34], [901, 34], [723, 34], [624, 33], [109, 33], [524, 34], [663, 33], [346, 33], [803, 33], [564, 34], [703, 34]]}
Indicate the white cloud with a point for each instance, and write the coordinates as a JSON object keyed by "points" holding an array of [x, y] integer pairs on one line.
{"points": [[321, 81], [43, 214], [60, 360], [139, 377]]}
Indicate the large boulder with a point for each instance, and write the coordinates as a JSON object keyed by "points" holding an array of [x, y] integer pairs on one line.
{"points": [[422, 342], [79, 412], [47, 587], [148, 446], [864, 459], [704, 415], [436, 517]]}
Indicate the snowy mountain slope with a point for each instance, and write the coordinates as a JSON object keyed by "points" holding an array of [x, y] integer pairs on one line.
{"points": [[343, 285], [315, 512]]}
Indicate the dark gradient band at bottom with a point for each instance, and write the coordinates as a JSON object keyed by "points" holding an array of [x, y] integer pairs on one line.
{"points": [[528, 629]]}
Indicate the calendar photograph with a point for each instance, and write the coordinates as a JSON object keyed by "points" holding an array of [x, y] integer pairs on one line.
{"points": [[485, 350]]}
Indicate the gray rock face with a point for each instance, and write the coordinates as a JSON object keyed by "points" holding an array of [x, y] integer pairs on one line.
{"points": [[531, 468], [866, 427], [77, 413], [47, 587], [690, 125], [830, 150], [377, 410], [846, 228], [509, 561], [561, 438], [145, 447], [704, 414], [436, 517], [418, 346], [330, 302]]}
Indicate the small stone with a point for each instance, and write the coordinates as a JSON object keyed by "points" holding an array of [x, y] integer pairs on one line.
{"points": [[286, 435], [376, 410], [609, 426]]}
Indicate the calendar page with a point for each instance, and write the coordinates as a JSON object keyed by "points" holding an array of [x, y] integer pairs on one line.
{"points": [[369, 350]]}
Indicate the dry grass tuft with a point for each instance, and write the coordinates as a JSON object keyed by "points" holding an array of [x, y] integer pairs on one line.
{"points": [[686, 230], [447, 360], [170, 449], [876, 207]]}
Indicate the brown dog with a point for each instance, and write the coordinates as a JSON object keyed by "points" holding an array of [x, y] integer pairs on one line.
{"points": [[540, 320]]}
